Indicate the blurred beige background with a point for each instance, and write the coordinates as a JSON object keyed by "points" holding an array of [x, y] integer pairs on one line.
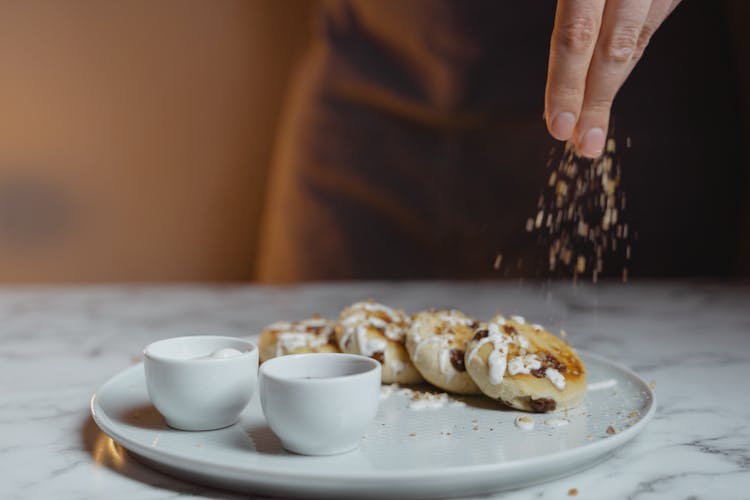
{"points": [[135, 135]]}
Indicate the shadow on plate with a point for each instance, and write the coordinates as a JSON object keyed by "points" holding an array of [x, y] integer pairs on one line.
{"points": [[265, 441], [483, 403], [106, 453]]}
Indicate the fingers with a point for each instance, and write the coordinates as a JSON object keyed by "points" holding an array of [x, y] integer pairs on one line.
{"points": [[610, 64], [577, 24], [659, 11]]}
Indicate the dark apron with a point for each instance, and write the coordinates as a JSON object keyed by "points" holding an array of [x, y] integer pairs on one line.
{"points": [[413, 145]]}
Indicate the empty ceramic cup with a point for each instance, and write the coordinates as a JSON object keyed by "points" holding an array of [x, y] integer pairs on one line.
{"points": [[202, 382], [320, 404]]}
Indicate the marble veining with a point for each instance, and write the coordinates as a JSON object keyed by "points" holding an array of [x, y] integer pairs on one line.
{"points": [[57, 344]]}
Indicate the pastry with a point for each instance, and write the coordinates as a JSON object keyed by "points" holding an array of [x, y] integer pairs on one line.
{"points": [[436, 343], [311, 335], [525, 366], [375, 330]]}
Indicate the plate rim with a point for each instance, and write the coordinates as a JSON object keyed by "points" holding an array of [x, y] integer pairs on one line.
{"points": [[598, 448]]}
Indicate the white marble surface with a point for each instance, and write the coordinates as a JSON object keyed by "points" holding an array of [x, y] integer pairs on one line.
{"points": [[58, 344]]}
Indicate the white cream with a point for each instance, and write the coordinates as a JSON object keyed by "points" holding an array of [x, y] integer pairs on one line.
{"points": [[525, 422], [519, 319], [224, 353]]}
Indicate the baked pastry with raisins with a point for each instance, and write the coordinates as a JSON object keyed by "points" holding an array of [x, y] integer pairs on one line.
{"points": [[310, 335], [525, 366], [378, 331], [436, 343]]}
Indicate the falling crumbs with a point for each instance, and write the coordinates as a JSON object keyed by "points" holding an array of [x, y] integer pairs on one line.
{"points": [[611, 430], [579, 220], [572, 492]]}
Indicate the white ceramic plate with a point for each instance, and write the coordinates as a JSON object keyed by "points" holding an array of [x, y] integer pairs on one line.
{"points": [[453, 450]]}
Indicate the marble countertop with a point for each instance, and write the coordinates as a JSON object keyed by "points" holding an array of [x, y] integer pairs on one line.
{"points": [[57, 345]]}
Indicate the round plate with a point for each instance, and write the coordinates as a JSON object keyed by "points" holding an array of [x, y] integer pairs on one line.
{"points": [[465, 447]]}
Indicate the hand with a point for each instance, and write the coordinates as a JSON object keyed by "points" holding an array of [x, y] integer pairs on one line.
{"points": [[595, 45]]}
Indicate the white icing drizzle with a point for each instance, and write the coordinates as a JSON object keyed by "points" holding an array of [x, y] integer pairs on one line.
{"points": [[524, 364], [360, 314], [554, 376], [280, 326], [519, 319], [497, 359], [537, 327], [525, 422], [445, 362], [397, 366], [498, 363], [452, 318], [291, 336], [377, 307], [521, 364], [529, 362], [287, 342], [369, 345], [444, 353], [522, 341]]}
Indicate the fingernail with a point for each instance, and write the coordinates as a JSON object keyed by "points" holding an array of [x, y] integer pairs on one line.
{"points": [[562, 126], [592, 143]]}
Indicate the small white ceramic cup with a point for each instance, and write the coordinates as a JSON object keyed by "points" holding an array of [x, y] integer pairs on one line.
{"points": [[195, 392], [320, 404]]}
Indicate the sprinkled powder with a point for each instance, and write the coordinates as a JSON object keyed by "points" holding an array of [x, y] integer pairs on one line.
{"points": [[579, 219]]}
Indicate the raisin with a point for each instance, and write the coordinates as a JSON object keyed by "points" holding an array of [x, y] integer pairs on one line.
{"points": [[481, 334], [457, 360], [543, 405]]}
